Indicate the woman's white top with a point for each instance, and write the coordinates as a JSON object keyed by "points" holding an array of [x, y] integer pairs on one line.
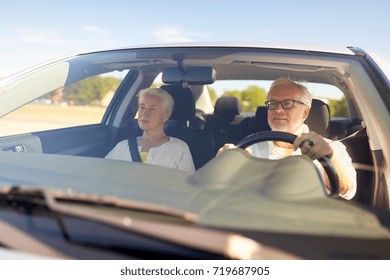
{"points": [[174, 154]]}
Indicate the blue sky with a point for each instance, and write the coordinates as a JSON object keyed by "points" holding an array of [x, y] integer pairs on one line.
{"points": [[36, 31]]}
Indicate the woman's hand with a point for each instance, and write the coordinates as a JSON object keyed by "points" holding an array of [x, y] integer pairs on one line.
{"points": [[227, 146]]}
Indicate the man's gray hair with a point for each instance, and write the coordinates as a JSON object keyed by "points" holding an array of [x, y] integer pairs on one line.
{"points": [[306, 97], [164, 95]]}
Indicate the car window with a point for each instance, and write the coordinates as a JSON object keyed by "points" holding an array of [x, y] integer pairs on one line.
{"points": [[253, 94], [81, 103], [331, 95]]}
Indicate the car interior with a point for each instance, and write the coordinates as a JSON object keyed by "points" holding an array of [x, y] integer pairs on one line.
{"points": [[206, 132], [226, 124]]}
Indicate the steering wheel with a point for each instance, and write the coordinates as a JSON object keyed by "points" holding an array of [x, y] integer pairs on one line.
{"points": [[290, 138]]}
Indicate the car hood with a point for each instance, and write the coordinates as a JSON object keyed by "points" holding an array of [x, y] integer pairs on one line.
{"points": [[233, 190]]}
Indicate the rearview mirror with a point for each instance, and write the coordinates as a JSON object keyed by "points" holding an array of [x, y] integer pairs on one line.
{"points": [[191, 75]]}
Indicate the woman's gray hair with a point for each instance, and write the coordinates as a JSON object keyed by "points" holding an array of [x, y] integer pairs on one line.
{"points": [[165, 97], [306, 97]]}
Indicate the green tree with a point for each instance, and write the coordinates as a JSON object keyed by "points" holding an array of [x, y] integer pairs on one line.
{"points": [[338, 108], [252, 97], [90, 90], [235, 93], [213, 95]]}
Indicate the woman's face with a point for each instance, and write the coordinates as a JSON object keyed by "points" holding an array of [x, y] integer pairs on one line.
{"points": [[151, 113]]}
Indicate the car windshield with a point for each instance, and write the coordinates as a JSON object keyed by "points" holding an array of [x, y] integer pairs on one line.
{"points": [[71, 132]]}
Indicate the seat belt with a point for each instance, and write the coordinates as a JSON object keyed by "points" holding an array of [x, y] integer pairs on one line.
{"points": [[133, 147], [132, 142]]}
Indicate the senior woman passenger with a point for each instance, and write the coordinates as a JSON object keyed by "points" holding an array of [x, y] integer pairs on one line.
{"points": [[155, 106]]}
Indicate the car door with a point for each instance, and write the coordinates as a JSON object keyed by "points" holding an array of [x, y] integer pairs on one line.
{"points": [[84, 140]]}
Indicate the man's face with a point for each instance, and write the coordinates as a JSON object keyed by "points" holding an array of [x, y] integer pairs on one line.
{"points": [[287, 120]]}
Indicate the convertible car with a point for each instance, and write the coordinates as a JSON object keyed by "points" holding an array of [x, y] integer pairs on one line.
{"points": [[61, 199]]}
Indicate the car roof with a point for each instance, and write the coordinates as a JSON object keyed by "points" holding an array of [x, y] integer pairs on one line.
{"points": [[214, 44], [280, 46]]}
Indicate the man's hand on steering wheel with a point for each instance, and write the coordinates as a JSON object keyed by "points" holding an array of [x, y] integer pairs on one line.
{"points": [[313, 145], [321, 152]]}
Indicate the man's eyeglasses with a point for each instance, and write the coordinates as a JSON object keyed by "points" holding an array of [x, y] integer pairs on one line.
{"points": [[286, 104]]}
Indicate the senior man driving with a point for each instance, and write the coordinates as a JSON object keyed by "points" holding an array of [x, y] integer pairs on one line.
{"points": [[288, 104]]}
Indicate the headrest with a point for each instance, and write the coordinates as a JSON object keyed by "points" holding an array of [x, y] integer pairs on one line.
{"points": [[262, 113], [184, 108], [319, 117], [262, 118], [228, 106]]}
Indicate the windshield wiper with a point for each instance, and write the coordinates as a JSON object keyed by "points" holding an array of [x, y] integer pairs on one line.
{"points": [[228, 244]]}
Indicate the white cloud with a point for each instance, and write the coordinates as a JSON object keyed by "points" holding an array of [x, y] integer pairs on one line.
{"points": [[43, 37], [171, 34], [93, 29]]}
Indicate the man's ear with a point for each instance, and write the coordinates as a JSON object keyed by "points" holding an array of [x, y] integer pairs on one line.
{"points": [[306, 113]]}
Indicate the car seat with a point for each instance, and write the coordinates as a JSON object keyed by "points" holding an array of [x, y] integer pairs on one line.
{"points": [[184, 111], [184, 125], [224, 122], [258, 122], [319, 118], [358, 148]]}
